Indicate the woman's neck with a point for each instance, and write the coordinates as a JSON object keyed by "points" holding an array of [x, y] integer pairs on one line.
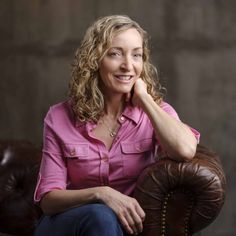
{"points": [[114, 106]]}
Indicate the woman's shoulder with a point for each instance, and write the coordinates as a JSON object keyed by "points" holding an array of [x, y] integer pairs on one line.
{"points": [[60, 110], [59, 107], [169, 109], [165, 105]]}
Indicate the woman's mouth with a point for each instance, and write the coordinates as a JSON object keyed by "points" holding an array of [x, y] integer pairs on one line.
{"points": [[124, 78]]}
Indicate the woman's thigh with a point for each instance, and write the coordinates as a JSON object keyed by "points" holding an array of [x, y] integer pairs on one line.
{"points": [[87, 220]]}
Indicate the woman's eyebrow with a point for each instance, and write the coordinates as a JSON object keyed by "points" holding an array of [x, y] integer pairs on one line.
{"points": [[120, 48]]}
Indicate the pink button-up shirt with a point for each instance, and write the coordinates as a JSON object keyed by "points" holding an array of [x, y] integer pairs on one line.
{"points": [[74, 159]]}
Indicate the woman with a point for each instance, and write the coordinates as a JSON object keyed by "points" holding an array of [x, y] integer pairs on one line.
{"points": [[98, 142]]}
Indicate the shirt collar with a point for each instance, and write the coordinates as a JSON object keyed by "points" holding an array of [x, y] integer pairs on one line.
{"points": [[132, 113]]}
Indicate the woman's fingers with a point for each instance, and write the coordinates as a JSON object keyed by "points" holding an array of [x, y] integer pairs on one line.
{"points": [[127, 209], [135, 222], [134, 216], [125, 224], [140, 211], [131, 222], [140, 89], [138, 215]]}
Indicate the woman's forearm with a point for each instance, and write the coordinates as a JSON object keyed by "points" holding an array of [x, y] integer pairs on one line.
{"points": [[60, 200], [174, 136], [127, 209]]}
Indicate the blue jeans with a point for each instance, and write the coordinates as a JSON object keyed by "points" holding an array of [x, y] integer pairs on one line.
{"points": [[87, 220]]}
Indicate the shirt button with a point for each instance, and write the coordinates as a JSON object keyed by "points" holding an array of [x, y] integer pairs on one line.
{"points": [[138, 148], [73, 152], [122, 118], [105, 159]]}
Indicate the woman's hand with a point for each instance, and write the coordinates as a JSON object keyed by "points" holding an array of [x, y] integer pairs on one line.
{"points": [[175, 137], [127, 209], [139, 90]]}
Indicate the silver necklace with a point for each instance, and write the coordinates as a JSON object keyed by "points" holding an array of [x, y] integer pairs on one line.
{"points": [[112, 132]]}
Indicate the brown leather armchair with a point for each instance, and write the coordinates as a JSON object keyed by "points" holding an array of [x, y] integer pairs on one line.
{"points": [[178, 198], [181, 198], [19, 165]]}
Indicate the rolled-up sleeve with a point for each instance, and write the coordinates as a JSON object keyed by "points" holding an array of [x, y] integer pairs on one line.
{"points": [[171, 111], [52, 174]]}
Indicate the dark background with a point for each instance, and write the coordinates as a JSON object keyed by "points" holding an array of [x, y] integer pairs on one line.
{"points": [[193, 46]]}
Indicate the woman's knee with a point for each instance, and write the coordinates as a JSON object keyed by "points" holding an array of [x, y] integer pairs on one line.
{"points": [[101, 218], [101, 214], [84, 220]]}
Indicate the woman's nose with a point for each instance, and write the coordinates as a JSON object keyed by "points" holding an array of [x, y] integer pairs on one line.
{"points": [[127, 64]]}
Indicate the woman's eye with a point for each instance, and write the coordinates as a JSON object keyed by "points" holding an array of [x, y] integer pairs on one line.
{"points": [[114, 54], [138, 55]]}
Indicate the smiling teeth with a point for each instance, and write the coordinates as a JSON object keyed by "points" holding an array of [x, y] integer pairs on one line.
{"points": [[124, 77]]}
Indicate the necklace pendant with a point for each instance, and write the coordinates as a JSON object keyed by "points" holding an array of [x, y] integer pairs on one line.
{"points": [[112, 134]]}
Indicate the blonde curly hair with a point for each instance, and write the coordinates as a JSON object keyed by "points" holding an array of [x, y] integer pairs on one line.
{"points": [[84, 92]]}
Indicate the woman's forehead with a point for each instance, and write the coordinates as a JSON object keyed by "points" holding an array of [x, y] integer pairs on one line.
{"points": [[130, 36]]}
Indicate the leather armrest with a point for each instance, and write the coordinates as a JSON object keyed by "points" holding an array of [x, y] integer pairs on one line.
{"points": [[181, 198], [19, 165]]}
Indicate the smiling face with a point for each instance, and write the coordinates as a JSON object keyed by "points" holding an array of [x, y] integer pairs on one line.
{"points": [[122, 64]]}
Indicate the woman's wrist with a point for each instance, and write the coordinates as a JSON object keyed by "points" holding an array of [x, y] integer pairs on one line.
{"points": [[100, 193], [145, 99]]}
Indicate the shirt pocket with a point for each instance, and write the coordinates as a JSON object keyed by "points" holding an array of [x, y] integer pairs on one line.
{"points": [[80, 167], [75, 151], [136, 156]]}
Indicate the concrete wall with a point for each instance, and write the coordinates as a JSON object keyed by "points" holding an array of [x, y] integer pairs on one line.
{"points": [[193, 45]]}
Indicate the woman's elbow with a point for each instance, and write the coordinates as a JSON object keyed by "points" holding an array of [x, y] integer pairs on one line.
{"points": [[46, 206], [189, 151]]}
